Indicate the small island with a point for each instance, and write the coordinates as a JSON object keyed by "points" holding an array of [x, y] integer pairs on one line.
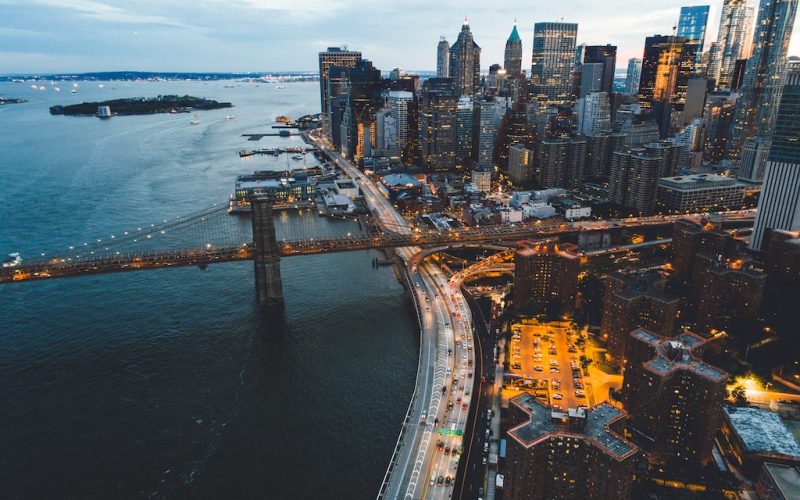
{"points": [[8, 100], [141, 106]]}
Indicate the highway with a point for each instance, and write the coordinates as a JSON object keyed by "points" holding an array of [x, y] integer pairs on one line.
{"points": [[432, 434]]}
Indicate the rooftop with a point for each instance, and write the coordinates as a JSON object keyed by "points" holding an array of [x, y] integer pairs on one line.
{"points": [[699, 181], [762, 431], [544, 423], [677, 354], [787, 479]]}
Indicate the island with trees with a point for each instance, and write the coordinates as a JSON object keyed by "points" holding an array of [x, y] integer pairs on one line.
{"points": [[142, 106]]}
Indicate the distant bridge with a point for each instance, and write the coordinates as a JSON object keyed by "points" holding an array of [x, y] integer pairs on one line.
{"points": [[180, 242]]}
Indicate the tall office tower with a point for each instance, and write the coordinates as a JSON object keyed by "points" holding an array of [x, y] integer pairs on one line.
{"points": [[465, 112], [633, 76], [580, 53], [718, 120], [386, 133], [399, 102], [514, 129], [443, 59], [334, 56], [365, 100], [674, 399], [761, 86], [561, 162], [553, 60], [487, 127], [779, 204], [545, 276], [607, 56], [513, 55], [668, 61], [696, 89], [591, 79], [465, 62], [631, 302], [726, 292], [692, 27], [519, 164], [338, 97], [594, 114], [437, 124], [578, 454], [635, 173], [735, 26]]}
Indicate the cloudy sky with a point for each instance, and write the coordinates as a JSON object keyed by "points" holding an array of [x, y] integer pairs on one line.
{"points": [[273, 35]]}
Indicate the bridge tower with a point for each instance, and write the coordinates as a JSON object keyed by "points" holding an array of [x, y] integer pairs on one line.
{"points": [[269, 288]]}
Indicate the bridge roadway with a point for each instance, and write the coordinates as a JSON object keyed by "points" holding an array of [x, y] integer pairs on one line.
{"points": [[396, 234]]}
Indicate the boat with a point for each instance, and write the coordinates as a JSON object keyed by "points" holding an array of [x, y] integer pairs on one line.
{"points": [[297, 157], [74, 91], [13, 260], [280, 87], [283, 119], [230, 117], [195, 120]]}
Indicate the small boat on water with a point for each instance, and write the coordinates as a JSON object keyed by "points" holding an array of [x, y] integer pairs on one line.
{"points": [[195, 120], [74, 91], [297, 157], [13, 260], [230, 117]]}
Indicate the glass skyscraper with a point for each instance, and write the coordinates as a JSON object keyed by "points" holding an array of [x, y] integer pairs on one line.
{"points": [[553, 59], [692, 26]]}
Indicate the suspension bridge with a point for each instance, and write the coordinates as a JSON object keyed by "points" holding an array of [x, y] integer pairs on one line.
{"points": [[212, 236]]}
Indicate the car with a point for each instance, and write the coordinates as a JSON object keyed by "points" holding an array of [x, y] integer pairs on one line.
{"points": [[557, 396], [553, 362], [458, 400], [554, 369], [466, 393], [516, 366], [483, 460], [464, 406], [433, 479], [447, 480], [580, 394], [558, 409], [440, 480], [440, 443], [446, 450], [538, 368]]}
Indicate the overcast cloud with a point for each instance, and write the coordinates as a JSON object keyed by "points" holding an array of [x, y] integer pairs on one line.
{"points": [[39, 36]]}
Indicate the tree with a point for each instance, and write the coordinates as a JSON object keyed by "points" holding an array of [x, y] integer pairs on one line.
{"points": [[585, 362], [739, 395]]}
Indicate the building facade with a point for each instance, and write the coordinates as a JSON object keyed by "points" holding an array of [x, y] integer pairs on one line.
{"points": [[633, 76], [733, 43], [465, 62], [437, 124], [512, 60], [553, 60], [545, 277], [334, 56], [698, 193], [692, 26], [443, 59]]}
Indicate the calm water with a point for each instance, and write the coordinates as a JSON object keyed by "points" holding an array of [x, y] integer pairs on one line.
{"points": [[169, 384]]}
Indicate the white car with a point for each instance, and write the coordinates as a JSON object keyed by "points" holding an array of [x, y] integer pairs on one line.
{"points": [[558, 396]]}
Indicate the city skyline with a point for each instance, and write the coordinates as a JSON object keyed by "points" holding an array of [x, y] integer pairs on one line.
{"points": [[265, 35]]}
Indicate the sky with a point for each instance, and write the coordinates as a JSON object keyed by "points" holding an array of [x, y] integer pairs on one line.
{"points": [[43, 36]]}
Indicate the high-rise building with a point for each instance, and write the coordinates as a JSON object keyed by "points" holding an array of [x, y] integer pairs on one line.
{"points": [[718, 120], [726, 292], [488, 124], [599, 149], [465, 62], [607, 56], [761, 86], [674, 399], [699, 193], [635, 173], [399, 102], [437, 124], [365, 99], [519, 164], [578, 454], [465, 113], [560, 162], [631, 302], [594, 114], [334, 56], [513, 54], [667, 64], [689, 238], [633, 77], [779, 204], [692, 27], [545, 276], [443, 59], [482, 178], [591, 79], [735, 27], [553, 60]]}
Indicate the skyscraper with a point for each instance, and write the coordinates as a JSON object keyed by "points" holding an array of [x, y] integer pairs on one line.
{"points": [[607, 56], [761, 86], [633, 76], [437, 124], [465, 62], [692, 27], [334, 56], [487, 127], [594, 114], [399, 102], [668, 61], [443, 59], [465, 112], [779, 204], [553, 59], [364, 103], [545, 276], [513, 55], [735, 25]]}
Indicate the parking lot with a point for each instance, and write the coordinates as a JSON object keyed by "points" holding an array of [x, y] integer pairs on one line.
{"points": [[547, 363]]}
